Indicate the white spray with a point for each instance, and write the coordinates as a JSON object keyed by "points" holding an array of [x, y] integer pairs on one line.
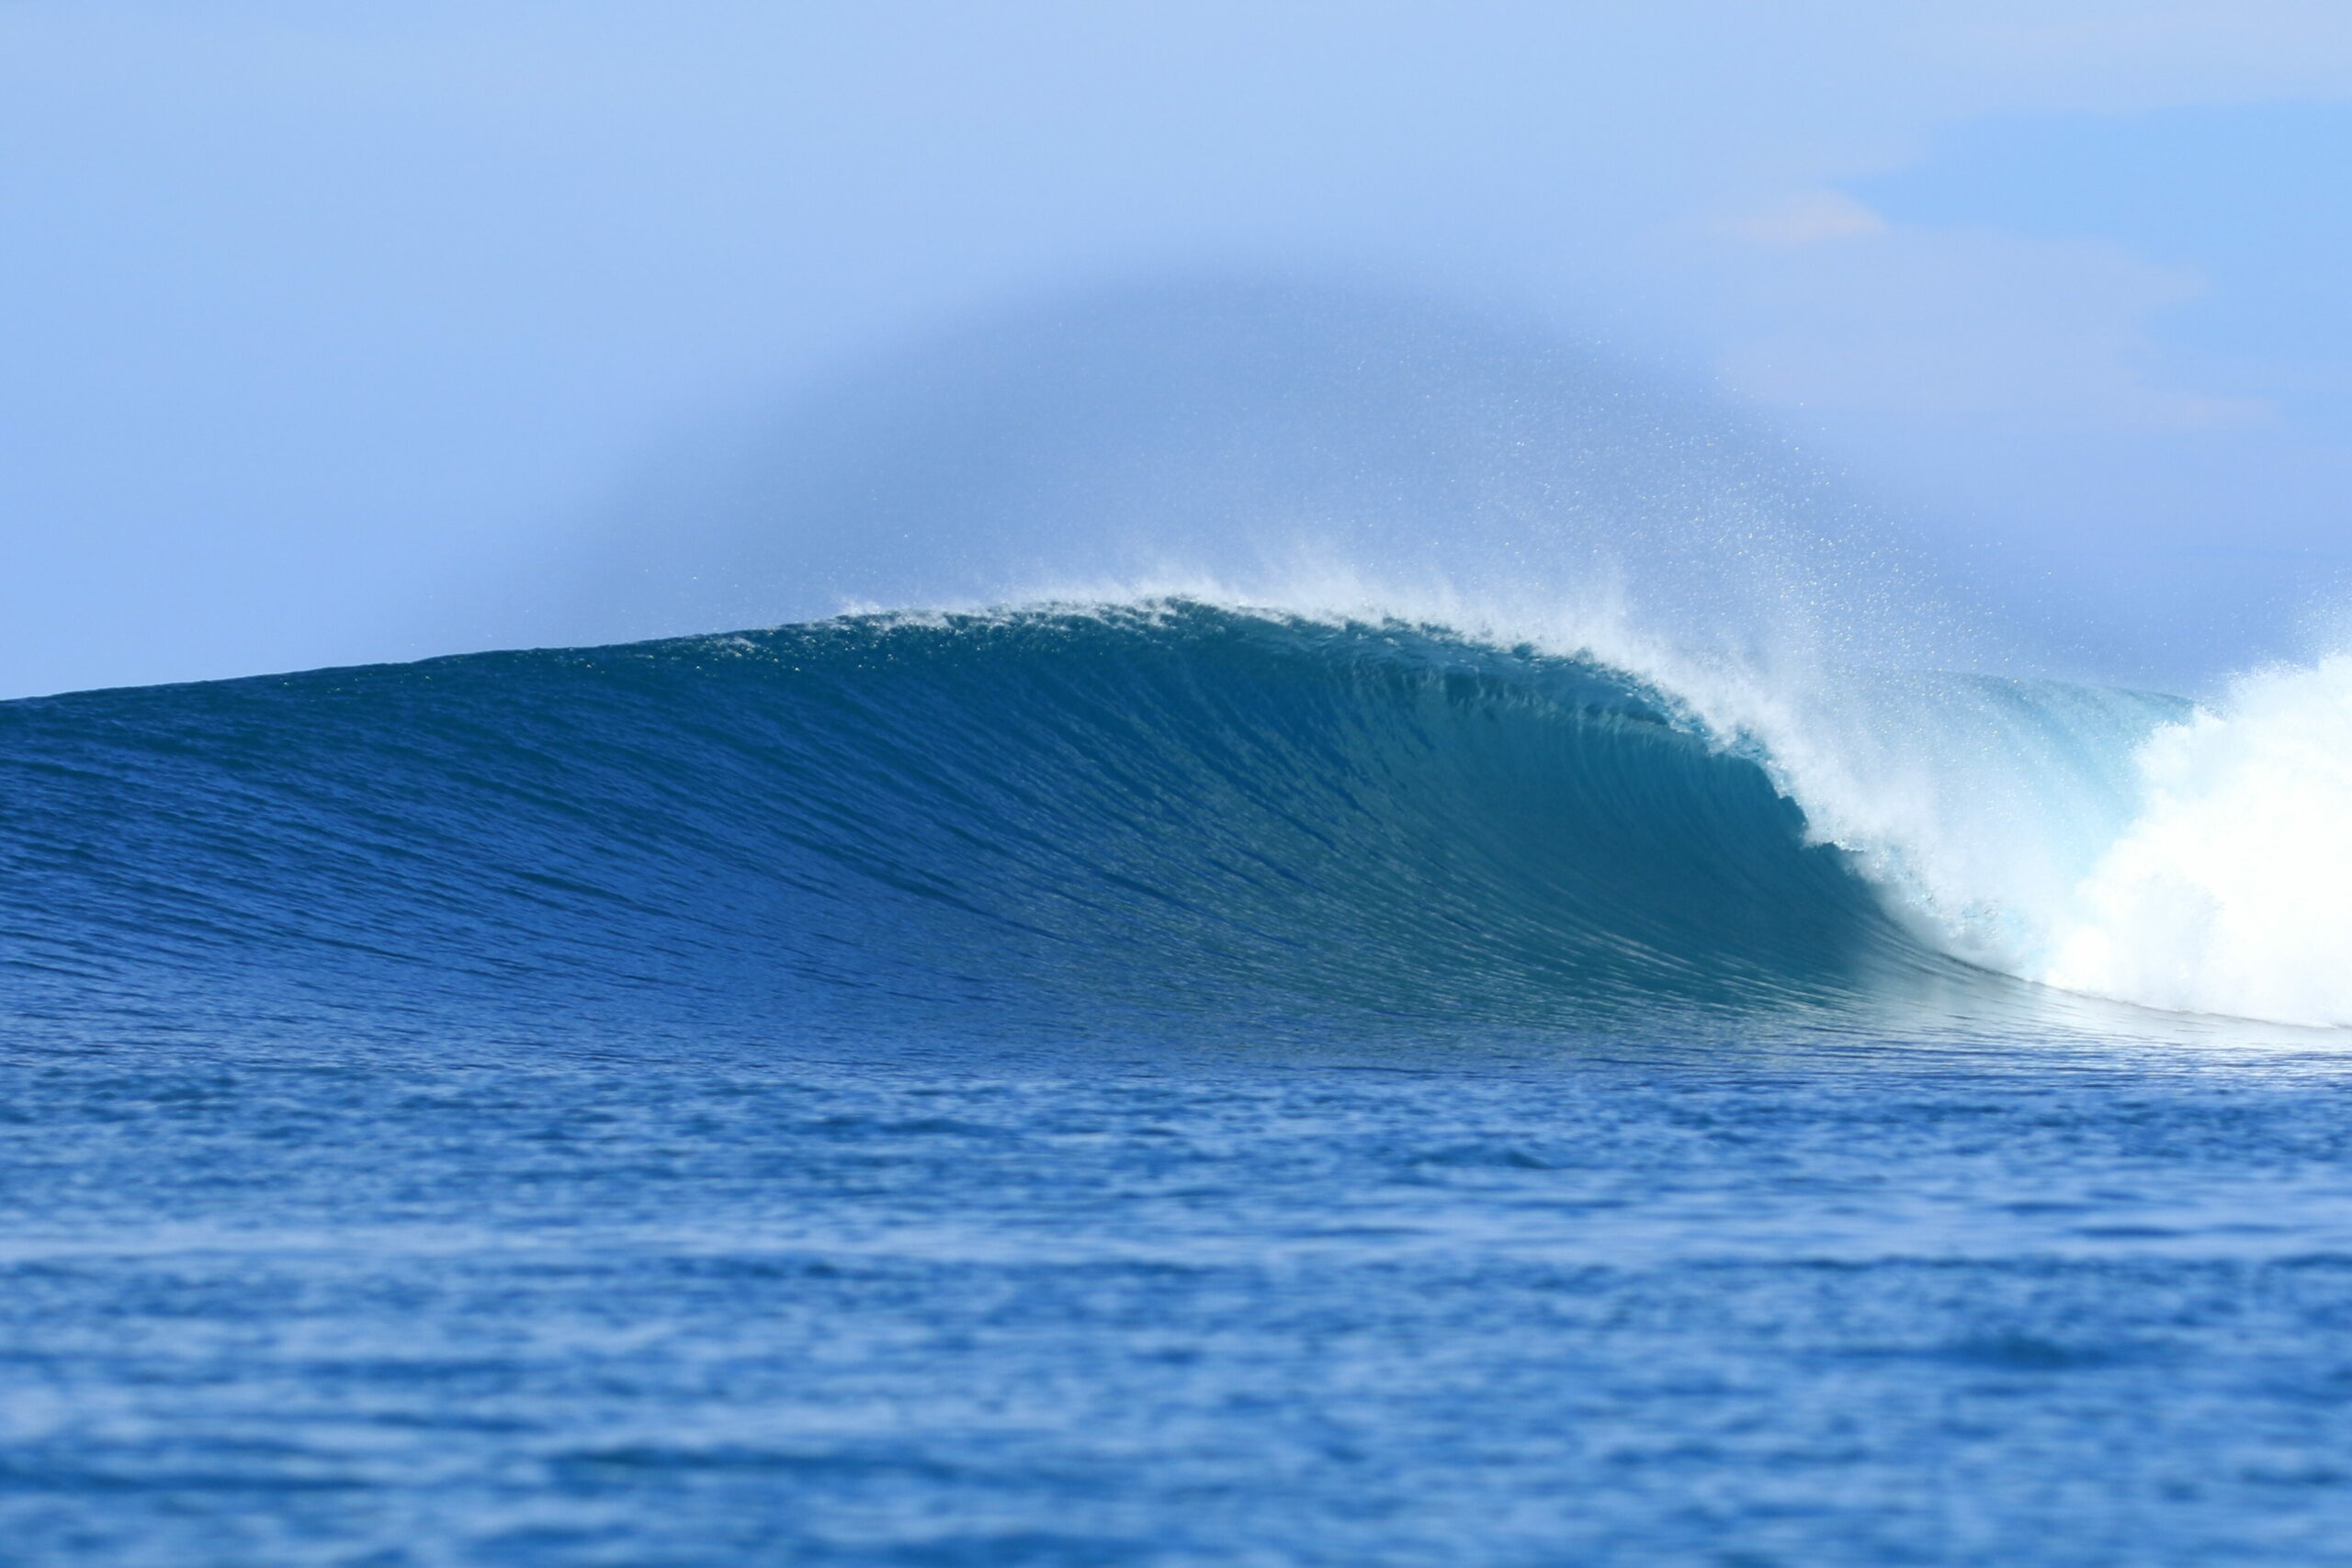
{"points": [[2232, 892]]}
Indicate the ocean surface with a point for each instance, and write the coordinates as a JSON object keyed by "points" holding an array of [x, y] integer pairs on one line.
{"points": [[1162, 1084]]}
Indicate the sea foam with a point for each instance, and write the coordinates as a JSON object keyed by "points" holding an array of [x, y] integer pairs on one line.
{"points": [[2232, 892]]}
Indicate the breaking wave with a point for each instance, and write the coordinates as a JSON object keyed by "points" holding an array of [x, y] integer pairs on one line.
{"points": [[1166, 808]]}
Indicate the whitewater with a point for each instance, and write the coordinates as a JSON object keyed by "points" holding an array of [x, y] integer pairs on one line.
{"points": [[2117, 844], [2195, 859]]}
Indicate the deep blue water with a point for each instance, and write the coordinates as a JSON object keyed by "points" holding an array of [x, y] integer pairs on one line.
{"points": [[1160, 1087]]}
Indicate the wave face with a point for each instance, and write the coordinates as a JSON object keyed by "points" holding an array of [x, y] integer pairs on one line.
{"points": [[1167, 809], [1075, 820]]}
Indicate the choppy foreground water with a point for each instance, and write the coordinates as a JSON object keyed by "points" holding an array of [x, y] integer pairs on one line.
{"points": [[1874, 1304]]}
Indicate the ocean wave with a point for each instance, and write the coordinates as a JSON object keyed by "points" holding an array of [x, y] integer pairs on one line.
{"points": [[1164, 807]]}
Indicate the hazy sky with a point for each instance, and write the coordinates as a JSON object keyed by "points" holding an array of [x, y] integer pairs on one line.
{"points": [[315, 315]]}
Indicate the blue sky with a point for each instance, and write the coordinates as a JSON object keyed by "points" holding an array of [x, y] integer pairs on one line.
{"points": [[2252, 199], [320, 318]]}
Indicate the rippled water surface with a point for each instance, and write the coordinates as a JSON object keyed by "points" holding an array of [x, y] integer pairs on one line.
{"points": [[1864, 1304]]}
